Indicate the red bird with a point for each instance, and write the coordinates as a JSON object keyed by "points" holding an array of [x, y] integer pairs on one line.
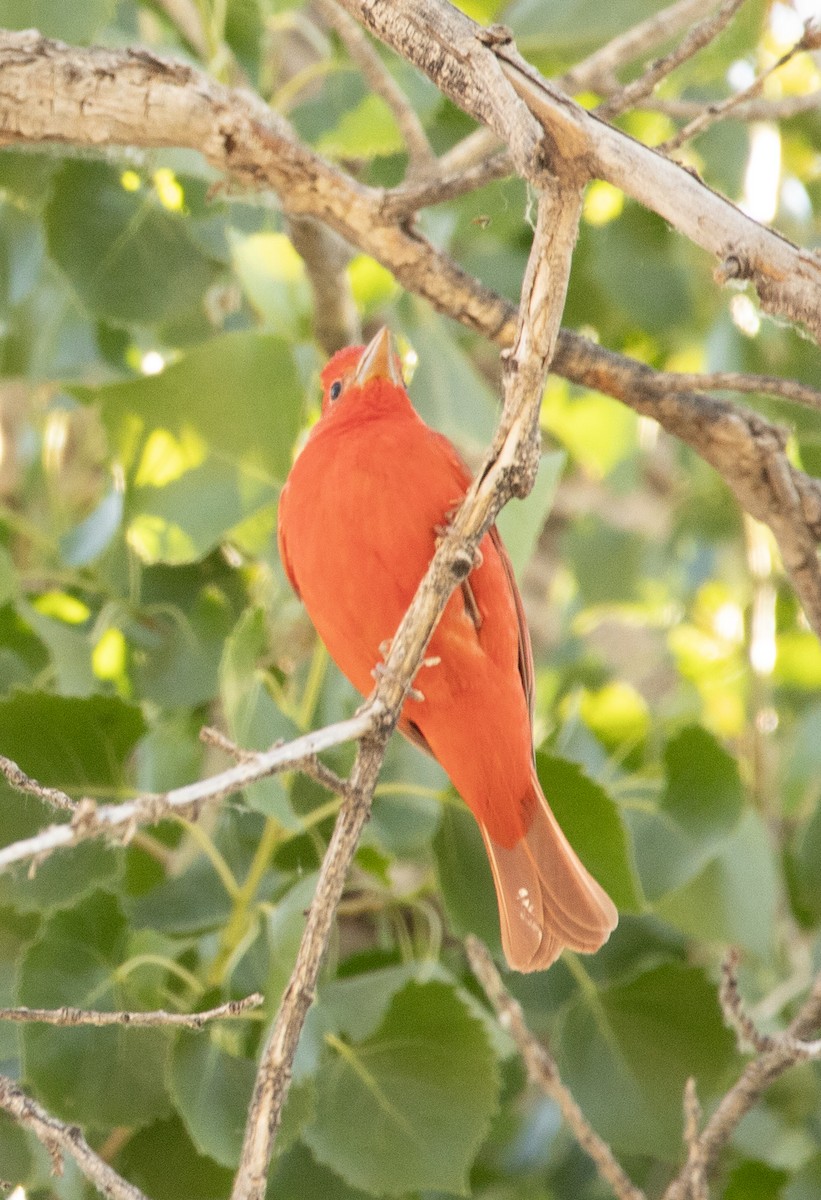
{"points": [[358, 521]]}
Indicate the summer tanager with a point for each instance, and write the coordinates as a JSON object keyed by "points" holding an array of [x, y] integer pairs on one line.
{"points": [[359, 519]]}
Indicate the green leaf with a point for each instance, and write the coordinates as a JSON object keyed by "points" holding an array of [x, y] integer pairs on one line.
{"points": [[704, 794], [163, 1162], [16, 933], [68, 742], [447, 390], [366, 131], [593, 825], [211, 1090], [15, 1154], [75, 744], [701, 805], [406, 1109], [75, 22], [90, 538], [181, 667], [273, 278], [128, 257], [626, 1053], [735, 898], [254, 720], [755, 1181], [239, 394], [520, 522], [464, 877], [74, 962], [808, 866], [298, 1176], [21, 250], [194, 902]]}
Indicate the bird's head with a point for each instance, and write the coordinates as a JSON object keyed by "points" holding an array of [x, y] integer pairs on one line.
{"points": [[355, 366]]}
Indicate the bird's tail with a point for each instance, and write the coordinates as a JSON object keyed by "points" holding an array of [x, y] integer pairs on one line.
{"points": [[548, 900]]}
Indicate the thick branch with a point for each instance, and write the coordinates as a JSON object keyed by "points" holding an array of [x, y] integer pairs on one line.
{"points": [[461, 57]]}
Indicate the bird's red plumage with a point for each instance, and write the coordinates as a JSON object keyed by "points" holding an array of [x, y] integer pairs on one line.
{"points": [[358, 522]]}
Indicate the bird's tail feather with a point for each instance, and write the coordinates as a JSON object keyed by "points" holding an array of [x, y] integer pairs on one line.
{"points": [[548, 900]]}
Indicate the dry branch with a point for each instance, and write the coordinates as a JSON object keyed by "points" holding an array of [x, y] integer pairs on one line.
{"points": [[696, 39], [544, 1072], [775, 1054], [598, 70], [120, 820], [462, 59], [59, 1139], [68, 1017]]}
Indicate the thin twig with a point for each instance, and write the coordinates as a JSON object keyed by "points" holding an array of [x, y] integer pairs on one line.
{"points": [[122, 819], [692, 1122], [810, 40], [699, 36], [736, 381], [30, 787], [138, 1020], [749, 1035], [378, 77], [599, 69], [60, 1138], [508, 470], [779, 108], [310, 765], [401, 201], [544, 1072], [777, 1053]]}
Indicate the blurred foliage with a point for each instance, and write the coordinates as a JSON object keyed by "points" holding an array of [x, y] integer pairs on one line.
{"points": [[158, 372]]}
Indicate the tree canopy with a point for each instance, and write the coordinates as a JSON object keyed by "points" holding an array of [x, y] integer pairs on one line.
{"points": [[200, 200]]}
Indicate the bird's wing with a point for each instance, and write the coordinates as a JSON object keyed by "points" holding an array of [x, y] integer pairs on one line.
{"points": [[525, 650], [462, 474]]}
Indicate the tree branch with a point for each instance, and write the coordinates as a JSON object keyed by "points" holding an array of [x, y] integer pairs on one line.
{"points": [[59, 1139], [135, 97], [461, 58], [68, 1017], [696, 39], [122, 819], [775, 1055], [598, 70], [543, 1071]]}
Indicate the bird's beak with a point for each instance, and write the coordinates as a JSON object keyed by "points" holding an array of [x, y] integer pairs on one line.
{"points": [[379, 361]]}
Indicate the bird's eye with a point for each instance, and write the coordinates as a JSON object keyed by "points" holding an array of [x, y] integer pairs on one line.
{"points": [[335, 389]]}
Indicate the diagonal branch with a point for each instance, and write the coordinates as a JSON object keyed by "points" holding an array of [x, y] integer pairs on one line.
{"points": [[696, 39], [461, 58], [544, 1072], [120, 820], [59, 1139], [774, 1055]]}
